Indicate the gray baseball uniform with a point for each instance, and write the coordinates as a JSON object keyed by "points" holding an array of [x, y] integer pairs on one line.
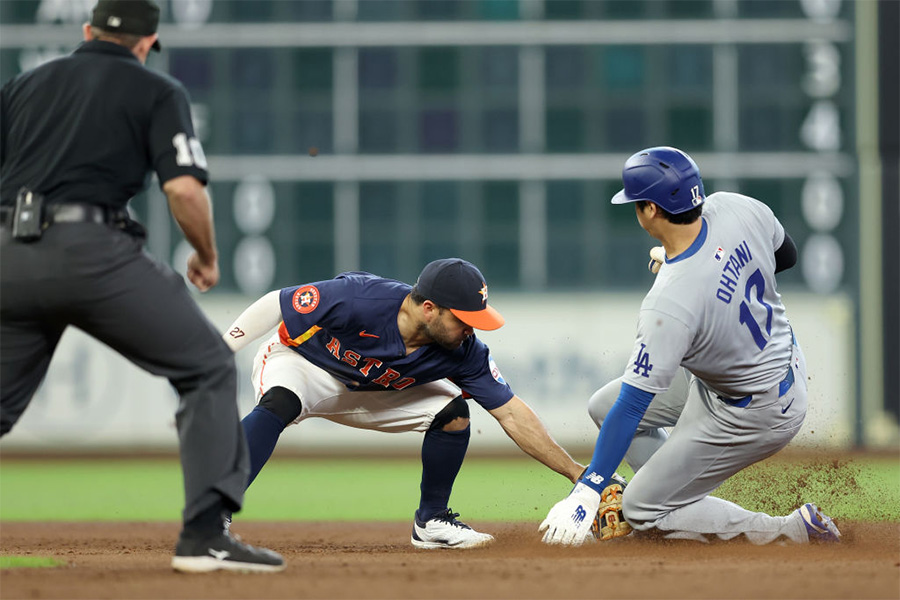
{"points": [[713, 311]]}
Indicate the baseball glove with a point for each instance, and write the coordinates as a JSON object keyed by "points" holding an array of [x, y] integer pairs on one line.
{"points": [[610, 522]]}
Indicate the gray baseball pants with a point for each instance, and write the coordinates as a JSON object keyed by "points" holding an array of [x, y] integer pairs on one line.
{"points": [[677, 469]]}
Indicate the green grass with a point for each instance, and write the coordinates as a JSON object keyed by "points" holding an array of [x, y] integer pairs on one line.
{"points": [[387, 489], [14, 562]]}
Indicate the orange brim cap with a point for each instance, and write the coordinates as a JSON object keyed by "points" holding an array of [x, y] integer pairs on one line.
{"points": [[487, 319]]}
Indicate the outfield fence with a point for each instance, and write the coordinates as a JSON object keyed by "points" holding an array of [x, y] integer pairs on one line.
{"points": [[555, 350]]}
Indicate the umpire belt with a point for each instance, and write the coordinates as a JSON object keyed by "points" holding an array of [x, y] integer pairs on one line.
{"points": [[72, 213], [783, 388]]}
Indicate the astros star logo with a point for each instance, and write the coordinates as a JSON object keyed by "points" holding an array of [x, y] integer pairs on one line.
{"points": [[306, 299], [483, 292]]}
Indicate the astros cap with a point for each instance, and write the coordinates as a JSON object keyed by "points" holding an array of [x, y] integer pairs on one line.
{"points": [[137, 17], [458, 285]]}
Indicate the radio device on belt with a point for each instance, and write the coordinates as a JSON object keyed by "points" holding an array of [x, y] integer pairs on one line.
{"points": [[28, 216]]}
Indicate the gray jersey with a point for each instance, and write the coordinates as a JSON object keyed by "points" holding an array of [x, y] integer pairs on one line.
{"points": [[714, 309]]}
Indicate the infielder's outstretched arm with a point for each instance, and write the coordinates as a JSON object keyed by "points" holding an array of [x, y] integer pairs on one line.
{"points": [[569, 521], [528, 432], [258, 319]]}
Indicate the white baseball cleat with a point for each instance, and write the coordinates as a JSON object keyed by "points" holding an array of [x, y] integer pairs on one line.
{"points": [[445, 531]]}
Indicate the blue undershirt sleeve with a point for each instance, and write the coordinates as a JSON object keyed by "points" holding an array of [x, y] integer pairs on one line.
{"points": [[615, 435]]}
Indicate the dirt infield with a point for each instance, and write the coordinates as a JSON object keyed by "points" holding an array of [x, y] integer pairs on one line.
{"points": [[341, 560]]}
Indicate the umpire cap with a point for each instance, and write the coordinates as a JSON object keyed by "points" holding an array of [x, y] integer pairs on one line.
{"points": [[458, 285], [665, 176], [137, 17]]}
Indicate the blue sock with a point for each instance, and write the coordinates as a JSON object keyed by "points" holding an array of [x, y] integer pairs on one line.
{"points": [[442, 456], [262, 428]]}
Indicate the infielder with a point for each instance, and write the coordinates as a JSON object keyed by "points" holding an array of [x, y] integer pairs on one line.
{"points": [[375, 353], [713, 310]]}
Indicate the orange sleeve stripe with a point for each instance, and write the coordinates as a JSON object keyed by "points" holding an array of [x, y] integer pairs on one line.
{"points": [[287, 340]]}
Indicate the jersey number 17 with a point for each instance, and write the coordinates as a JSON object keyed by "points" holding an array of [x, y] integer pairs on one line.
{"points": [[758, 283]]}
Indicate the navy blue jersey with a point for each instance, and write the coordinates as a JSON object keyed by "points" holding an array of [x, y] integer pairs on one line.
{"points": [[348, 326]]}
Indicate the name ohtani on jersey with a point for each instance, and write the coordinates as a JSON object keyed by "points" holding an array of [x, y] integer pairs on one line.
{"points": [[731, 272]]}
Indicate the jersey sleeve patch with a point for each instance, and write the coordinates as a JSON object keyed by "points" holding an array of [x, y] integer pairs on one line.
{"points": [[305, 299], [495, 371]]}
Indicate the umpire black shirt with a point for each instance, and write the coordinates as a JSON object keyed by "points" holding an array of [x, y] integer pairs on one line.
{"points": [[90, 127]]}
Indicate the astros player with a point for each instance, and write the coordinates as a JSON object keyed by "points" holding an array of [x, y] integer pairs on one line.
{"points": [[713, 310], [375, 353]]}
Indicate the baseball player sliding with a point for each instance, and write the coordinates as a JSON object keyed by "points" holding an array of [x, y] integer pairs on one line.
{"points": [[713, 310], [375, 353]]}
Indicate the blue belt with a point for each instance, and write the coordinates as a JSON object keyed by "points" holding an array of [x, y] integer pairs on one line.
{"points": [[783, 389]]}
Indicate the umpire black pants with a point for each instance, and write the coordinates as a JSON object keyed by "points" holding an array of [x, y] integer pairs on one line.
{"points": [[100, 280]]}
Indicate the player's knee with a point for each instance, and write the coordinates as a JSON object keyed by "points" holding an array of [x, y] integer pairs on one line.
{"points": [[283, 403], [602, 401], [453, 417], [639, 513], [597, 409]]}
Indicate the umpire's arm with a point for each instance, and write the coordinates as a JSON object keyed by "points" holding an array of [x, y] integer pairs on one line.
{"points": [[521, 424], [191, 207]]}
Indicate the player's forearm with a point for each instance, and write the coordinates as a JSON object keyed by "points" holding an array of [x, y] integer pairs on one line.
{"points": [[616, 435], [258, 319], [192, 210], [524, 427]]}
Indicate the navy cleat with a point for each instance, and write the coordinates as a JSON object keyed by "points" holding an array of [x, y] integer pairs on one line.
{"points": [[819, 526]]}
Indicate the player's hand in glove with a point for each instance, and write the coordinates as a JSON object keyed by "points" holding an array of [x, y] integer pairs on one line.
{"points": [[657, 258], [569, 521], [610, 522]]}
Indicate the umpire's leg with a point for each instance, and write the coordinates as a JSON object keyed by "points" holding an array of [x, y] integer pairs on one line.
{"points": [[28, 335], [26, 348], [143, 310]]}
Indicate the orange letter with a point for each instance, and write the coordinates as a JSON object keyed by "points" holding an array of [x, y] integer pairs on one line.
{"points": [[387, 377], [335, 346], [369, 362], [351, 358]]}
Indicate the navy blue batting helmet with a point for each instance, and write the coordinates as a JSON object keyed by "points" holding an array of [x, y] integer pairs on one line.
{"points": [[665, 176]]}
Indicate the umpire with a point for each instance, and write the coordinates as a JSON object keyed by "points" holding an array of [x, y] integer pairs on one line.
{"points": [[79, 137]]}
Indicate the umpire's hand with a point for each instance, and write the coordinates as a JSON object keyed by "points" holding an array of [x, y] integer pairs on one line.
{"points": [[192, 209], [203, 275]]}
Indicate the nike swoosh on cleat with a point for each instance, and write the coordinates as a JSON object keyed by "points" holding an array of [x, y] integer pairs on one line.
{"points": [[364, 334], [785, 409], [219, 554]]}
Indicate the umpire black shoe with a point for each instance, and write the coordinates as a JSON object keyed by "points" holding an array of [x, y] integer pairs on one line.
{"points": [[223, 552]]}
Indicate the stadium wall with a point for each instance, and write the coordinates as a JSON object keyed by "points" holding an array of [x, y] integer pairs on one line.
{"points": [[554, 351]]}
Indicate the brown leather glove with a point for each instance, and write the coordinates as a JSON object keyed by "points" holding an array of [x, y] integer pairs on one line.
{"points": [[610, 522]]}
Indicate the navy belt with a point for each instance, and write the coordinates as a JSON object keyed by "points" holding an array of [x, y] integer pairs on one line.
{"points": [[783, 388]]}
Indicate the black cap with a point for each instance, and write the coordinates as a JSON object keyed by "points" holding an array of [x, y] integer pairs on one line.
{"points": [[458, 285], [137, 17]]}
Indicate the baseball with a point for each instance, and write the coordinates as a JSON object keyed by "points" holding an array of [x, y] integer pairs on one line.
{"points": [[657, 258]]}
